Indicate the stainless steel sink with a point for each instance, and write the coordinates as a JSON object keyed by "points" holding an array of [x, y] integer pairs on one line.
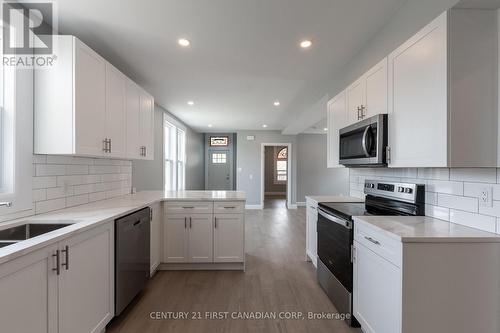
{"points": [[27, 231], [3, 244]]}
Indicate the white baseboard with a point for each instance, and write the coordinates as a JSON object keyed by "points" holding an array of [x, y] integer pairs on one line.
{"points": [[292, 206], [301, 204], [253, 207]]}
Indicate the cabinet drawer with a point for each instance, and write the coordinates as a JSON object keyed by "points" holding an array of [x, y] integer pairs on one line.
{"points": [[197, 207], [378, 242], [229, 207]]}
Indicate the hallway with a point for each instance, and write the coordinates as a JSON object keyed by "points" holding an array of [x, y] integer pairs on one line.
{"points": [[277, 281]]}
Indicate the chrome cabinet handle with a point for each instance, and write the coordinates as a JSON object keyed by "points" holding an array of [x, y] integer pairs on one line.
{"points": [[187, 207], [359, 117], [58, 263], [312, 207], [230, 207], [6, 204], [190, 223], [105, 145], [145, 151], [215, 220], [374, 241], [66, 253], [109, 148], [363, 112], [185, 222]]}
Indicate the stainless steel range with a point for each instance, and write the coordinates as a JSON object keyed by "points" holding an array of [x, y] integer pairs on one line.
{"points": [[335, 234]]}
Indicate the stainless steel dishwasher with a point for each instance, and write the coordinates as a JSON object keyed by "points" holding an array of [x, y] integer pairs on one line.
{"points": [[132, 237]]}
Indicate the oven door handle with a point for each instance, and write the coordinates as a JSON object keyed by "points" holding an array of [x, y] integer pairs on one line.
{"points": [[363, 142], [344, 223]]}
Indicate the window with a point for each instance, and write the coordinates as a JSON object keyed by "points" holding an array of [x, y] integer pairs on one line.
{"points": [[16, 137], [281, 165], [219, 141], [219, 158], [175, 157]]}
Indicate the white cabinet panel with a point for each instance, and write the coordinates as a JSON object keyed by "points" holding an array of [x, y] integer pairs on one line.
{"points": [[376, 90], [377, 292], [115, 111], [156, 236], [200, 238], [336, 119], [355, 101], [175, 237], [147, 125], [29, 293], [90, 100], [133, 109], [418, 106], [86, 284], [311, 231], [229, 238]]}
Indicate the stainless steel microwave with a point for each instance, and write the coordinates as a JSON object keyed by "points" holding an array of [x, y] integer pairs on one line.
{"points": [[364, 143]]}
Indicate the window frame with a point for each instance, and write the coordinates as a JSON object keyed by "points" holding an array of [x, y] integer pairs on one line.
{"points": [[175, 142], [278, 172]]}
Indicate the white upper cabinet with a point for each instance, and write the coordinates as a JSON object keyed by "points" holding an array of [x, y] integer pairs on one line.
{"points": [[336, 118], [140, 123], [442, 93], [81, 106], [367, 96], [115, 112]]}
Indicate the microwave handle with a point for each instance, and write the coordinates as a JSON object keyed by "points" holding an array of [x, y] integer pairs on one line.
{"points": [[363, 142]]}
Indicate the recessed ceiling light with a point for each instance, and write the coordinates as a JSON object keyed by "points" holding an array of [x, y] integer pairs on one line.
{"points": [[264, 125], [276, 103], [325, 129], [190, 103], [183, 42], [210, 125], [305, 44]]}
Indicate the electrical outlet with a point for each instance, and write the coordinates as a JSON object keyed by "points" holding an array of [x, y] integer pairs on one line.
{"points": [[486, 197]]}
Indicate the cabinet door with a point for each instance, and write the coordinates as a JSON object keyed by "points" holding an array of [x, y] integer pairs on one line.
{"points": [[355, 99], [115, 111], [336, 120], [29, 293], [200, 238], [312, 236], [229, 238], [86, 283], [89, 100], [376, 292], [155, 245], [133, 108], [147, 125], [418, 112], [376, 90], [175, 239]]}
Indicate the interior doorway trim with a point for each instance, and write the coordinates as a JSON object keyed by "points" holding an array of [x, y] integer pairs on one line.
{"points": [[288, 172]]}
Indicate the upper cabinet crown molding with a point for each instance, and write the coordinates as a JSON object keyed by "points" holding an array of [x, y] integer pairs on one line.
{"points": [[443, 93], [81, 107]]}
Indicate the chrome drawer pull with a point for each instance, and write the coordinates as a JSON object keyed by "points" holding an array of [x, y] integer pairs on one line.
{"points": [[231, 207], [374, 241], [188, 207]]}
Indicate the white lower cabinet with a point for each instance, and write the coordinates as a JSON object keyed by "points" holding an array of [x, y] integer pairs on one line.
{"points": [[76, 296], [194, 234], [29, 293], [311, 232], [229, 238], [377, 292], [155, 237]]}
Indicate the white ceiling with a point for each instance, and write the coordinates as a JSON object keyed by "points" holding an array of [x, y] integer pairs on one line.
{"points": [[318, 128], [244, 53]]}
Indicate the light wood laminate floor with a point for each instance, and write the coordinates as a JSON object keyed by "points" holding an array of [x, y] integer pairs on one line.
{"points": [[277, 280]]}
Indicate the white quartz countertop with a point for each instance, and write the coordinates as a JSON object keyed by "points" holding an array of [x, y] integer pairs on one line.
{"points": [[90, 215], [416, 229], [333, 198]]}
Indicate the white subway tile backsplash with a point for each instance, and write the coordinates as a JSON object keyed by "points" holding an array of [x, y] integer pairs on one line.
{"points": [[483, 175], [50, 170], [486, 223], [77, 169], [97, 196], [445, 186], [49, 205], [77, 200], [451, 194], [458, 202], [39, 195], [44, 182], [39, 159], [59, 192], [437, 212]]}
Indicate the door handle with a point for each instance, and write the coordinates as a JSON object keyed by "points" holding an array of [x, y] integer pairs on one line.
{"points": [[58, 263], [66, 254]]}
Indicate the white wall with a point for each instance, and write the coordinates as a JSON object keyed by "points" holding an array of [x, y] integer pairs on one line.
{"points": [[248, 159], [451, 194], [313, 177]]}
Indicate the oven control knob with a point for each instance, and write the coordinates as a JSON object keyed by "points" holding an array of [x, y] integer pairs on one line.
{"points": [[401, 189], [408, 190], [372, 185]]}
